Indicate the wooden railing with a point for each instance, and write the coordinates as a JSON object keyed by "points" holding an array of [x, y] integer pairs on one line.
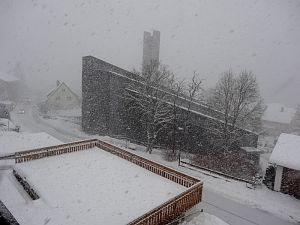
{"points": [[162, 214], [171, 209], [171, 174], [39, 153]]}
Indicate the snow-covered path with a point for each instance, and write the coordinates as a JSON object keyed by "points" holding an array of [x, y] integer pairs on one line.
{"points": [[214, 203], [235, 213], [30, 121]]}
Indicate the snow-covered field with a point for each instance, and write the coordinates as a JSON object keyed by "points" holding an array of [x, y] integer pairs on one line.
{"points": [[90, 187]]}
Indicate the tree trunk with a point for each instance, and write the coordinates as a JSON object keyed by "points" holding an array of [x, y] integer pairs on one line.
{"points": [[150, 146], [149, 141]]}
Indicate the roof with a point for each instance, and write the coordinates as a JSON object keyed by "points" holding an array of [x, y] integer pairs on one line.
{"points": [[286, 152], [277, 112], [53, 90], [7, 77], [58, 87]]}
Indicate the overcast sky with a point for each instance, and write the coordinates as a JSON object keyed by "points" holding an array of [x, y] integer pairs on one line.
{"points": [[50, 37]]}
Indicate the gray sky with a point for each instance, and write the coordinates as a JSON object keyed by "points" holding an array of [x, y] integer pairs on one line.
{"points": [[209, 36]]}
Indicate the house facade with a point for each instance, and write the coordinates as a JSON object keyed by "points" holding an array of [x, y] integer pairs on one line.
{"points": [[62, 98]]}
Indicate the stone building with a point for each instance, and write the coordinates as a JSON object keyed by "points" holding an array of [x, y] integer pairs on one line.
{"points": [[151, 46], [104, 108]]}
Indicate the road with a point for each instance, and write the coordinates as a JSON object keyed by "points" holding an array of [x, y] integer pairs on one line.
{"points": [[228, 210], [235, 213], [30, 122]]}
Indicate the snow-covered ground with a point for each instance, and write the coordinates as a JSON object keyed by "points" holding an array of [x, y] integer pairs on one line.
{"points": [[230, 200], [12, 142], [6, 124], [279, 204], [31, 122], [266, 143], [76, 112], [90, 187], [205, 219]]}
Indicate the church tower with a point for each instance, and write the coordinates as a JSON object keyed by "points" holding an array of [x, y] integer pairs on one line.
{"points": [[151, 45]]}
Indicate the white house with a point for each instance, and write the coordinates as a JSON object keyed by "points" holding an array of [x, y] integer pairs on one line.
{"points": [[277, 119], [61, 98], [286, 156]]}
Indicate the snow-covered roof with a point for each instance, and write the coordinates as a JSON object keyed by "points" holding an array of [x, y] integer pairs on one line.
{"points": [[276, 112], [11, 142], [286, 152], [73, 192], [62, 84], [54, 89], [7, 77]]}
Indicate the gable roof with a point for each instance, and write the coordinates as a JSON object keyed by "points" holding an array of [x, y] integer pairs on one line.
{"points": [[286, 152], [276, 112], [62, 84]]}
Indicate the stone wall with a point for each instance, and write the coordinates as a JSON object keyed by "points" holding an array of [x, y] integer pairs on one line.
{"points": [[291, 182], [104, 110]]}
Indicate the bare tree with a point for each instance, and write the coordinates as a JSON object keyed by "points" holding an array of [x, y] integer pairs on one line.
{"points": [[150, 100], [191, 93], [177, 88], [241, 106]]}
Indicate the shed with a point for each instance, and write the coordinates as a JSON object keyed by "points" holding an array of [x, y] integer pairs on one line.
{"points": [[286, 157]]}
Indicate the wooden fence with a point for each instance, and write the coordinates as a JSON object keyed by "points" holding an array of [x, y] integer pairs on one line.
{"points": [[162, 214]]}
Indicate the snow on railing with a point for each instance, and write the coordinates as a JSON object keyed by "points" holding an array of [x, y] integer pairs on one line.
{"points": [[162, 214], [171, 174], [173, 208], [39, 153]]}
